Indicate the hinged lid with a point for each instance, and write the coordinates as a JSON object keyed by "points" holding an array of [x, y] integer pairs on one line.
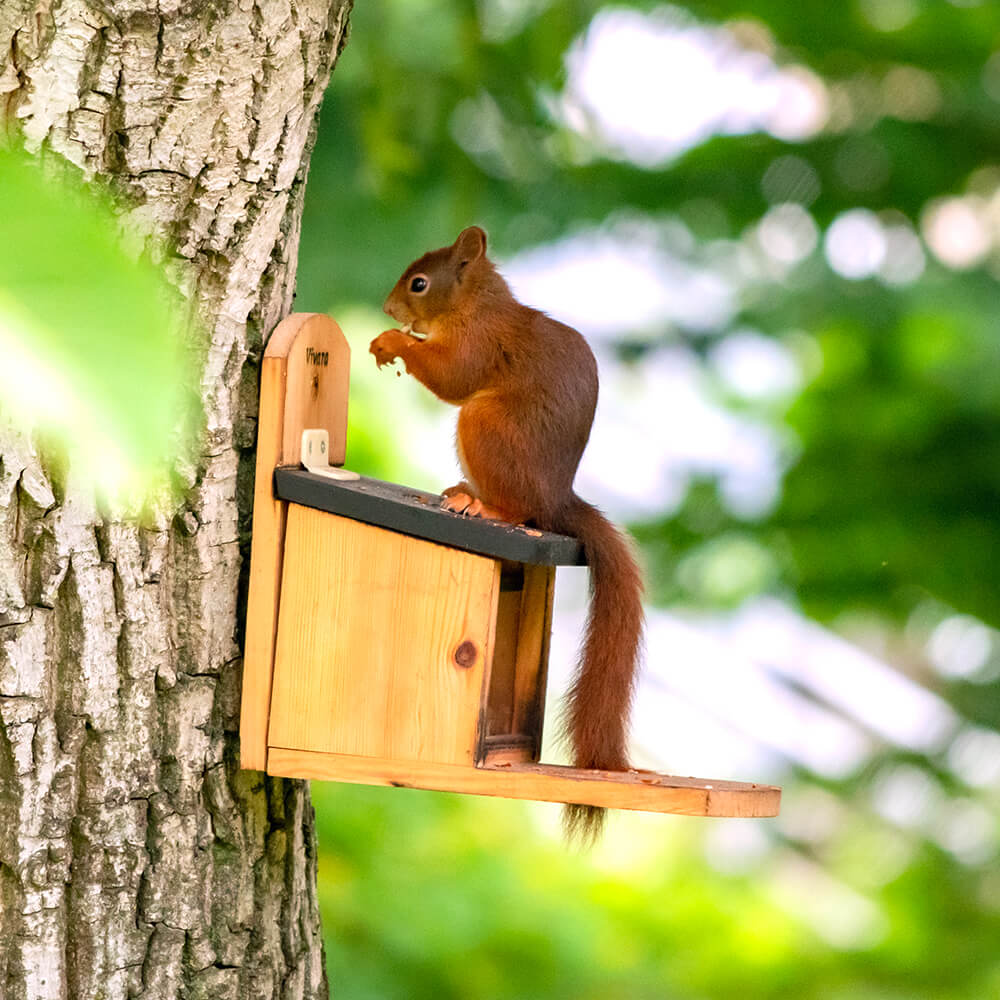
{"points": [[413, 512]]}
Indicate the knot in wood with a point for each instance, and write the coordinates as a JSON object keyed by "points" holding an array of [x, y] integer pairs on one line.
{"points": [[465, 655]]}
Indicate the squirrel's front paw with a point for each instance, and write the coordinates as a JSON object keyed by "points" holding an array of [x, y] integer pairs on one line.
{"points": [[389, 345]]}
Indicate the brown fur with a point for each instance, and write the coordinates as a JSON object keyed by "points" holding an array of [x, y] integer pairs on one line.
{"points": [[527, 388]]}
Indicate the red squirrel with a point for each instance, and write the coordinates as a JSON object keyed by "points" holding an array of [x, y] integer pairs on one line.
{"points": [[527, 388]]}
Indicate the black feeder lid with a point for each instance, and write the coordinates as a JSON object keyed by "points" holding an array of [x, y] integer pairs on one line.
{"points": [[413, 512]]}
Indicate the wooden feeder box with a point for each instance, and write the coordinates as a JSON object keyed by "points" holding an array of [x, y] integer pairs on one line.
{"points": [[392, 642]]}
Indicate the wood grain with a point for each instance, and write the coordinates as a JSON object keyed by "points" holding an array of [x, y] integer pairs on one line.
{"points": [[499, 707], [507, 750], [515, 703], [383, 642], [265, 571], [292, 394], [318, 366], [643, 790], [531, 669]]}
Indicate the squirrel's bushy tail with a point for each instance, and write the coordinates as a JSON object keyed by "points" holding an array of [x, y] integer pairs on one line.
{"points": [[598, 704]]}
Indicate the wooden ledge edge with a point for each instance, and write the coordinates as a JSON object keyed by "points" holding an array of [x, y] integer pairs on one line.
{"points": [[642, 790]]}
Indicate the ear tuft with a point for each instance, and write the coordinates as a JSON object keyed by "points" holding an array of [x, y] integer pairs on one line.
{"points": [[470, 245]]}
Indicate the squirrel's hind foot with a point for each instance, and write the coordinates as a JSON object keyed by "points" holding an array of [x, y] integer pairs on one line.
{"points": [[464, 503], [456, 500]]}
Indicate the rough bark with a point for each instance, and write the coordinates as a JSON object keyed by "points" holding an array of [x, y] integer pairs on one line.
{"points": [[136, 860]]}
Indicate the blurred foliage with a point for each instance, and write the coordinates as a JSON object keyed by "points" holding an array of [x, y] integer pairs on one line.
{"points": [[434, 896], [89, 331], [887, 514], [908, 371]]}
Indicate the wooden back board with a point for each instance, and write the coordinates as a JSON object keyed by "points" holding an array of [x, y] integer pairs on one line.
{"points": [[304, 382]]}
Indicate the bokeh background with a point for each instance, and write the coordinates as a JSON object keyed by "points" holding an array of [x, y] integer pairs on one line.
{"points": [[778, 224]]}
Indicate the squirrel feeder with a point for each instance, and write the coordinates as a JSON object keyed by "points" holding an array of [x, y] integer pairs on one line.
{"points": [[392, 642]]}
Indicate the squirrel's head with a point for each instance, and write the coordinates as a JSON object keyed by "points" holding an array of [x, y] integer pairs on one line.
{"points": [[432, 286]]}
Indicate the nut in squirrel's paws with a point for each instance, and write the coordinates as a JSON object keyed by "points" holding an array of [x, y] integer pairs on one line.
{"points": [[388, 346]]}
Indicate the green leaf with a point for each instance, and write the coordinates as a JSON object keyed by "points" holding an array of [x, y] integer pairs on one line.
{"points": [[90, 335]]}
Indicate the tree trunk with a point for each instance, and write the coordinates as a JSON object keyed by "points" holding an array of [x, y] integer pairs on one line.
{"points": [[136, 859]]}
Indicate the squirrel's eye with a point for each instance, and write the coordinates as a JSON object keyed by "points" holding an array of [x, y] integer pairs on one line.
{"points": [[418, 284]]}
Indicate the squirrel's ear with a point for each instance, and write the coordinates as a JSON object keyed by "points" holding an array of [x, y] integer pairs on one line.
{"points": [[470, 245]]}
